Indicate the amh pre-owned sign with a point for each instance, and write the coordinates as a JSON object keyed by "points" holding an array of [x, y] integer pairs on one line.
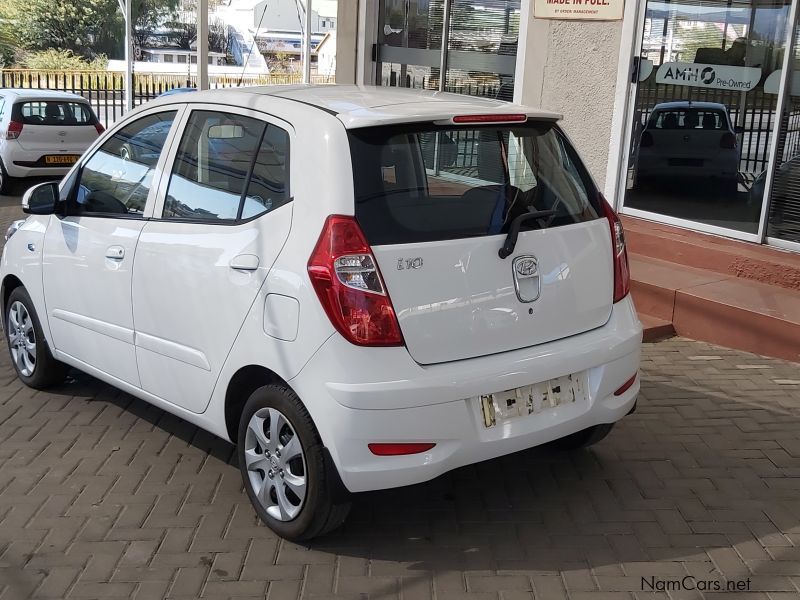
{"points": [[720, 77], [597, 10]]}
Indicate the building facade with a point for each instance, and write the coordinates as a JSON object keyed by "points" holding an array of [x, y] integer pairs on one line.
{"points": [[686, 111]]}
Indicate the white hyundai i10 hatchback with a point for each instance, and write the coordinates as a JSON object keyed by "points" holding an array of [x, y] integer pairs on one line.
{"points": [[362, 288]]}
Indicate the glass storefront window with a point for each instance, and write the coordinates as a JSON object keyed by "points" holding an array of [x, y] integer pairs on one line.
{"points": [[783, 222], [481, 45], [705, 109]]}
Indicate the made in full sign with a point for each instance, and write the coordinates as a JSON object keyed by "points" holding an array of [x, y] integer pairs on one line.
{"points": [[581, 2]]}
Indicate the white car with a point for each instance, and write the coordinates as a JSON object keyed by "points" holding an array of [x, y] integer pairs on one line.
{"points": [[362, 288], [686, 140], [43, 133]]}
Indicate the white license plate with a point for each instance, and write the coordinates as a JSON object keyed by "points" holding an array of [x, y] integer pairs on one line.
{"points": [[532, 399]]}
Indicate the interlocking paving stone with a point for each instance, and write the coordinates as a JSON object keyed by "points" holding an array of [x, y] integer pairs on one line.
{"points": [[103, 496]]}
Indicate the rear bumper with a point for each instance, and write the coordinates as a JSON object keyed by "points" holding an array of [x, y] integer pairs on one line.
{"points": [[21, 171], [30, 163], [357, 396], [723, 167]]}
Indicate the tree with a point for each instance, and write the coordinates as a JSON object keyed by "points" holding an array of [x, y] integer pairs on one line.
{"points": [[148, 16], [85, 27], [218, 36]]}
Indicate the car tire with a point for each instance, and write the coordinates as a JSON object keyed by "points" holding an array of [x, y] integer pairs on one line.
{"points": [[276, 482], [27, 346], [6, 181], [584, 438]]}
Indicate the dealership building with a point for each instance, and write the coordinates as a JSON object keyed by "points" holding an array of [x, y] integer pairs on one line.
{"points": [[687, 112]]}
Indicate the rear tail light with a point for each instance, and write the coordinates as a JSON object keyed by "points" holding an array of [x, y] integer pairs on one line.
{"points": [[398, 449], [14, 129], [622, 274], [347, 280], [647, 140], [100, 128], [728, 140]]}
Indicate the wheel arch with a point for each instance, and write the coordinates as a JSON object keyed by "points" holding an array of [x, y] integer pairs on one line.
{"points": [[10, 283], [244, 382]]}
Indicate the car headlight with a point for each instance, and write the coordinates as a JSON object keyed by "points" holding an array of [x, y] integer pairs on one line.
{"points": [[12, 229]]}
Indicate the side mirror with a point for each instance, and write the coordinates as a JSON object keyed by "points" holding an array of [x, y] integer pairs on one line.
{"points": [[738, 130], [41, 199]]}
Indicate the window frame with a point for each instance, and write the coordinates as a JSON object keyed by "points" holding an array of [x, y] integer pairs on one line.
{"points": [[74, 175], [268, 119]]}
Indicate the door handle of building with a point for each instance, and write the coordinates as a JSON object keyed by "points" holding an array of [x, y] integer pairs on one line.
{"points": [[244, 262], [115, 252]]}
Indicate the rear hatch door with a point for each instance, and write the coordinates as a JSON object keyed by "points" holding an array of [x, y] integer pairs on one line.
{"points": [[690, 132], [436, 204], [56, 126]]}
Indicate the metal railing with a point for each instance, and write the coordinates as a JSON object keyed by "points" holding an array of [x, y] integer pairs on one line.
{"points": [[105, 90]]}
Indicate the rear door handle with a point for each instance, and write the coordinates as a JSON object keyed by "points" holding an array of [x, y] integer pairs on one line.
{"points": [[115, 252], [244, 262]]}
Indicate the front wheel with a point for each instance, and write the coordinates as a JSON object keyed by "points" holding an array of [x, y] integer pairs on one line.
{"points": [[30, 355], [283, 466]]}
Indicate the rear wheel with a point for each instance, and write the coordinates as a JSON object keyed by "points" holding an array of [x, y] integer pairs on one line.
{"points": [[584, 438], [283, 466], [30, 355]]}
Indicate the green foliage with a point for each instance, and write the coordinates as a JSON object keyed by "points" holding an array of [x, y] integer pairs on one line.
{"points": [[85, 27], [148, 15], [61, 60]]}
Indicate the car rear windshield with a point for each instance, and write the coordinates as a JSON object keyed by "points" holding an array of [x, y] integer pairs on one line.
{"points": [[58, 113], [422, 183], [689, 118]]}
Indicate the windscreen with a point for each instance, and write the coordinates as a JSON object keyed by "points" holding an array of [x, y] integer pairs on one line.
{"points": [[419, 183]]}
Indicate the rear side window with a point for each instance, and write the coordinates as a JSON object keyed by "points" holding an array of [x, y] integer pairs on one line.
{"points": [[228, 168], [54, 112], [422, 183]]}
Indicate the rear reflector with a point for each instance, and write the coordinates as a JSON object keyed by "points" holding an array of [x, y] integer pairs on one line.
{"points": [[398, 449], [626, 386], [508, 118]]}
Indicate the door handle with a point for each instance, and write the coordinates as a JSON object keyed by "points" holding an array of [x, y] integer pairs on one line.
{"points": [[115, 252], [244, 262]]}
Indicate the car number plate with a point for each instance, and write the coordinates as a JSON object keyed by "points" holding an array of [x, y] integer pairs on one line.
{"points": [[60, 159], [532, 399]]}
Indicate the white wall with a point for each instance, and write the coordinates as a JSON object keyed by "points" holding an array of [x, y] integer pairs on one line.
{"points": [[570, 67]]}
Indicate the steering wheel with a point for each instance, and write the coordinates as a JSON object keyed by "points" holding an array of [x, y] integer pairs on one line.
{"points": [[103, 202]]}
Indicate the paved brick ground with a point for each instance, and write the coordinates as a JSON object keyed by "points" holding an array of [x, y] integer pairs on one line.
{"points": [[102, 496]]}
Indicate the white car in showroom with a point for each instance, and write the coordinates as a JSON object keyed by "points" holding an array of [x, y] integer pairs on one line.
{"points": [[362, 288], [43, 133]]}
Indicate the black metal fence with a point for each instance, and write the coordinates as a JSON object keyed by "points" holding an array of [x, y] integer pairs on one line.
{"points": [[105, 91]]}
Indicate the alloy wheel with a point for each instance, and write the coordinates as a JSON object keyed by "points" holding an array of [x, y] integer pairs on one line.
{"points": [[276, 464], [21, 338]]}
